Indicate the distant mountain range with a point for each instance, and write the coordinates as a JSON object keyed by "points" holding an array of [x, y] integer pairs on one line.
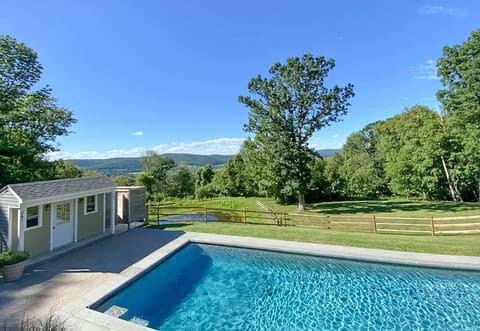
{"points": [[129, 165]]}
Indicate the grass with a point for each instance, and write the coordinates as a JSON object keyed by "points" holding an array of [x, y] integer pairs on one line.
{"points": [[468, 245], [453, 245], [400, 208]]}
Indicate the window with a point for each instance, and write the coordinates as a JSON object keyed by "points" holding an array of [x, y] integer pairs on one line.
{"points": [[90, 204], [63, 213], [33, 217]]}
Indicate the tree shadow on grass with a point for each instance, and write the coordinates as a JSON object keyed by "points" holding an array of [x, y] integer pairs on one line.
{"points": [[378, 207], [167, 226]]}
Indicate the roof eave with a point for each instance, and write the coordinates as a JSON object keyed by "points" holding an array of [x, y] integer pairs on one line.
{"points": [[70, 196]]}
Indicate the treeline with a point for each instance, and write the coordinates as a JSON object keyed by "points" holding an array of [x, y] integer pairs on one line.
{"points": [[416, 154]]}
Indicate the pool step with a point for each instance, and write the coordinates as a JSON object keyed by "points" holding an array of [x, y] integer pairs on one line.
{"points": [[116, 311], [139, 321]]}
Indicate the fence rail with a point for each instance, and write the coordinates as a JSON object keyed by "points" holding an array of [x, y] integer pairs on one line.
{"points": [[365, 223]]}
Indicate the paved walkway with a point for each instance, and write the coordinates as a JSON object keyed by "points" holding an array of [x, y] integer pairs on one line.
{"points": [[43, 288], [75, 280]]}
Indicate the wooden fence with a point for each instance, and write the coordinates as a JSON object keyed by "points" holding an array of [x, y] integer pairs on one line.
{"points": [[364, 223]]}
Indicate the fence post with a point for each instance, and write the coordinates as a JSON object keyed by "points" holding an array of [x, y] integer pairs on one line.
{"points": [[433, 226], [328, 222], [158, 213], [244, 216], [285, 219], [374, 224]]}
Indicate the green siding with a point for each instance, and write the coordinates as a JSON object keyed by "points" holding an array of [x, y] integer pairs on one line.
{"points": [[92, 224], [37, 241]]}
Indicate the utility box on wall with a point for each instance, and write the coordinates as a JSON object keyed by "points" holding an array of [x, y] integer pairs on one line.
{"points": [[131, 204]]}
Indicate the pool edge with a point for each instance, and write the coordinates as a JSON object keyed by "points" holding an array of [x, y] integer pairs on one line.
{"points": [[79, 311], [466, 263]]}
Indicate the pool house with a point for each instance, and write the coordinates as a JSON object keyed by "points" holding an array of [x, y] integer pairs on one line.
{"points": [[39, 217]]}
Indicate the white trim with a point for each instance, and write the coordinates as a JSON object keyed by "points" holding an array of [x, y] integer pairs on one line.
{"points": [[85, 213], [75, 218], [129, 209], [51, 226], [40, 218], [104, 212], [21, 229], [10, 227], [65, 197], [113, 214], [15, 194]]}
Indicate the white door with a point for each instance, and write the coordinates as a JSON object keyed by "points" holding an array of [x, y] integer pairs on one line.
{"points": [[62, 223]]}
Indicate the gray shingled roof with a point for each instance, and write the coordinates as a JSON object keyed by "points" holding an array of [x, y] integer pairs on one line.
{"points": [[58, 188]]}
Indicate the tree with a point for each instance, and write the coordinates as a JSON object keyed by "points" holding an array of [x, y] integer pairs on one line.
{"points": [[233, 179], [286, 109], [182, 182], [318, 188], [144, 179], [124, 180], [204, 187], [337, 184], [363, 166], [65, 169], [411, 145], [30, 120], [158, 167], [459, 69], [204, 176]]}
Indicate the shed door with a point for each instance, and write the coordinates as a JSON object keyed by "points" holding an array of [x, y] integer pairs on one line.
{"points": [[62, 223]]}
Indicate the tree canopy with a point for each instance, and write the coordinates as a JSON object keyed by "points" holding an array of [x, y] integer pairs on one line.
{"points": [[286, 109], [30, 120]]}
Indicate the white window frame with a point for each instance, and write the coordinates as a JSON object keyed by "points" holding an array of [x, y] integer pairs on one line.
{"points": [[85, 205], [39, 215]]}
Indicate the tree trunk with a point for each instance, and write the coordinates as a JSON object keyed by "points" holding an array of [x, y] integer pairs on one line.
{"points": [[301, 202], [447, 174], [453, 188]]}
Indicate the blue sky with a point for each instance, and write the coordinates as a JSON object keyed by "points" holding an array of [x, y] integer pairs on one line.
{"points": [[166, 75]]}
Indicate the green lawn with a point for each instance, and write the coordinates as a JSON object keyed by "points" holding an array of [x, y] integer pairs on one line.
{"points": [[400, 208], [453, 245]]}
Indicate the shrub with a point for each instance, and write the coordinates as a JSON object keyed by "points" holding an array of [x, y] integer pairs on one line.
{"points": [[12, 257], [47, 323]]}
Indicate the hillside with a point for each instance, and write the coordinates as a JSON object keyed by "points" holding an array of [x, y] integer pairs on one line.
{"points": [[126, 165]]}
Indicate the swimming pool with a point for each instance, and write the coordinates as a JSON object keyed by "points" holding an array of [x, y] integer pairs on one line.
{"points": [[224, 288]]}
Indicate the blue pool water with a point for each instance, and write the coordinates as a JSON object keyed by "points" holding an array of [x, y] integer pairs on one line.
{"points": [[207, 287]]}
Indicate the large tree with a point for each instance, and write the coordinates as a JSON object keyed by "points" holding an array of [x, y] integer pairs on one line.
{"points": [[30, 120], [286, 109], [411, 145], [459, 69]]}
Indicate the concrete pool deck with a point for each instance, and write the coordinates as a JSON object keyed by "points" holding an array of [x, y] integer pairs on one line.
{"points": [[70, 283]]}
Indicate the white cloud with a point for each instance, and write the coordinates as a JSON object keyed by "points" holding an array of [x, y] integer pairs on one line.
{"points": [[223, 146], [336, 136], [427, 71], [137, 133], [440, 10]]}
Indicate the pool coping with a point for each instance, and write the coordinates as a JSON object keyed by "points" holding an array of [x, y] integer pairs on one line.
{"points": [[78, 314]]}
